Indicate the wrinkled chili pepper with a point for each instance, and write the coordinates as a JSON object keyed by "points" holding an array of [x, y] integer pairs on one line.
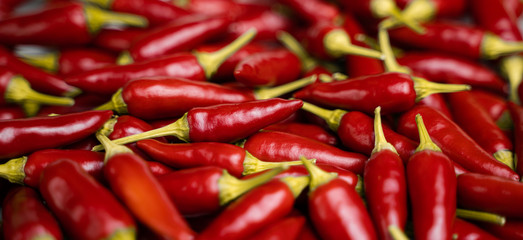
{"points": [[496, 106], [465, 230], [204, 190], [516, 113], [432, 188], [117, 40], [311, 131], [197, 66], [25, 216], [280, 146], [266, 22], [22, 136], [9, 112], [156, 12], [394, 92], [271, 202], [132, 181], [99, 215], [63, 24], [387, 205], [286, 228], [454, 142]]}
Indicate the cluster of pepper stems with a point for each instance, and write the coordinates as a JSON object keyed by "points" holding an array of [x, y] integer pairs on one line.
{"points": [[261, 119]]}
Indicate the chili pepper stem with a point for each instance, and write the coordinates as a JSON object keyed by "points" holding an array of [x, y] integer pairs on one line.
{"points": [[47, 61], [101, 3], [272, 92], [425, 143], [232, 187], [124, 58], [396, 233], [371, 42], [424, 88], [44, 237], [512, 68], [332, 117], [179, 129], [111, 148], [506, 157], [380, 143], [391, 65], [493, 47], [388, 8], [210, 62], [417, 10], [359, 186], [296, 184], [337, 43], [318, 177], [116, 104], [98, 18], [481, 216], [251, 164], [122, 234], [504, 122], [30, 108], [295, 47], [13, 170]]}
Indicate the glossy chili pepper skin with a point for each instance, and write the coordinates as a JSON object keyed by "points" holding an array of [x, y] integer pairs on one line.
{"points": [[465, 230], [314, 11], [7, 113], [98, 214], [128, 125], [496, 106], [267, 23], [438, 102], [338, 212], [279, 147], [454, 142], [515, 8], [494, 17], [159, 169], [490, 194], [28, 135], [394, 92], [440, 67], [512, 229], [314, 39], [74, 61], [271, 201], [270, 68], [287, 228], [516, 113], [176, 37], [25, 216], [231, 122], [132, 181], [117, 40], [82, 103], [311, 131]]}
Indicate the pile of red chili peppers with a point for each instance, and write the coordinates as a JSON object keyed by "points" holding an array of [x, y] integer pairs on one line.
{"points": [[261, 119]]}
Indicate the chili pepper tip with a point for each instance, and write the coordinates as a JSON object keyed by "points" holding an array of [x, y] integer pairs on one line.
{"points": [[481, 216], [425, 143], [13, 170], [318, 177]]}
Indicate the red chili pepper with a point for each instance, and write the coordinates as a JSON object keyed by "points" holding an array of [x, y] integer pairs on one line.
{"points": [[441, 67], [516, 113], [8, 6], [156, 12], [356, 132], [256, 209], [63, 24], [427, 10], [39, 80], [308, 233], [175, 37], [25, 216], [385, 184], [7, 113], [465, 230], [22, 136], [314, 11], [159, 169], [269, 68], [438, 102], [514, 7], [228, 8], [195, 66], [454, 142], [266, 22], [305, 130], [496, 106], [98, 214], [457, 38], [71, 61], [82, 103], [432, 188], [204, 190], [394, 92], [336, 210], [512, 229], [280, 147], [135, 185], [117, 40], [288, 228]]}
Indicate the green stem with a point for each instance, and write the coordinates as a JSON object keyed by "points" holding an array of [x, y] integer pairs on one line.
{"points": [[110, 147], [123, 234], [296, 184], [416, 10], [97, 18], [318, 177], [101, 3], [47, 61], [125, 58], [481, 216], [337, 43], [116, 104], [380, 143], [251, 164], [506, 157], [493, 47], [231, 187], [425, 143], [210, 62], [424, 87], [512, 68], [332, 117], [13, 170], [272, 92], [295, 47], [388, 8], [397, 233], [391, 65]]}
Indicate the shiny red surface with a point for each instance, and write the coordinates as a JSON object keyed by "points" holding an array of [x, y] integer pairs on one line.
{"points": [[311, 131], [516, 113], [495, 17], [465, 230], [77, 60], [156, 12], [5, 79]]}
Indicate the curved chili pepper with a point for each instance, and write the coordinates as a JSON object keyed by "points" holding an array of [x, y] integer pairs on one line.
{"points": [[156, 12], [440, 67], [117, 40], [385, 184], [306, 130], [8, 112], [394, 92], [266, 22], [256, 209], [280, 147], [132, 181], [516, 113], [63, 24], [491, 194], [197, 66], [336, 210], [314, 11], [25, 216], [71, 61], [39, 80], [454, 142], [432, 188], [356, 131], [204, 190], [286, 228], [269, 68], [465, 230], [455, 38], [438, 102], [22, 136], [65, 186], [496, 106], [176, 37], [230, 157], [512, 229]]}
